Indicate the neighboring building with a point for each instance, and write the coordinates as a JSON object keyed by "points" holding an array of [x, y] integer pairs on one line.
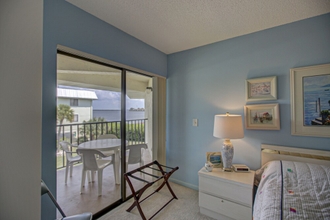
{"points": [[81, 101]]}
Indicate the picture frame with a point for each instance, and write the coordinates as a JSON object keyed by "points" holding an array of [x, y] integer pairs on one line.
{"points": [[261, 89], [262, 117], [310, 96], [214, 158]]}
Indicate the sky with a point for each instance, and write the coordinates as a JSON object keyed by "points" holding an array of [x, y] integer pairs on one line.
{"points": [[111, 100], [316, 82]]}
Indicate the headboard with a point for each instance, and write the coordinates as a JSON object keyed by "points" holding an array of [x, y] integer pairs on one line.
{"points": [[274, 152]]}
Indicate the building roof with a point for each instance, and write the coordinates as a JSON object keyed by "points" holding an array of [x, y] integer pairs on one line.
{"points": [[78, 94]]}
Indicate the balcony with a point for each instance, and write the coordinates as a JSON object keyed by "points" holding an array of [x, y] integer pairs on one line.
{"points": [[68, 195]]}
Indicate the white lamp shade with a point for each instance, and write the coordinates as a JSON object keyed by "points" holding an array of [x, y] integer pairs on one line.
{"points": [[228, 126]]}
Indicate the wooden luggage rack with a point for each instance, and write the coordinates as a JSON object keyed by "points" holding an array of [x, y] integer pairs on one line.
{"points": [[137, 196]]}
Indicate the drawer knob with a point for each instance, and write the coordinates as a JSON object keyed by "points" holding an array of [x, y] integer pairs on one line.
{"points": [[221, 200]]}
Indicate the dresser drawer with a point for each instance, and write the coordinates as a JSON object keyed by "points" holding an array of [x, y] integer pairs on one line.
{"points": [[226, 190], [225, 207]]}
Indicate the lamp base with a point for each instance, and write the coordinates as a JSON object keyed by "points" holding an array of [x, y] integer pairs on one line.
{"points": [[227, 155], [227, 169]]}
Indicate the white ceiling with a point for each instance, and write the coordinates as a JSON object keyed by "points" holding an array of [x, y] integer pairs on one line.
{"points": [[75, 72], [176, 25]]}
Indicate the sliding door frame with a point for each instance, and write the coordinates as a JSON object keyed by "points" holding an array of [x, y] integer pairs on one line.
{"points": [[123, 135], [158, 115]]}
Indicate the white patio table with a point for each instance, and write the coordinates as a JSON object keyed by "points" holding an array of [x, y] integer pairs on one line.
{"points": [[106, 144]]}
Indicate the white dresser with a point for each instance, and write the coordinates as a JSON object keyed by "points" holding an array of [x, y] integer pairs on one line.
{"points": [[226, 195]]}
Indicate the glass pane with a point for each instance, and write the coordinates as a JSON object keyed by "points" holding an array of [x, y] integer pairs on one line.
{"points": [[89, 115], [138, 125]]}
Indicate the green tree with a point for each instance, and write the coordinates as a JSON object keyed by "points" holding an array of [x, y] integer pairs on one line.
{"points": [[92, 129], [64, 112]]}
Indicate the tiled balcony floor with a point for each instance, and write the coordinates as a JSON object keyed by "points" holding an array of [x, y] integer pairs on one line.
{"points": [[72, 202]]}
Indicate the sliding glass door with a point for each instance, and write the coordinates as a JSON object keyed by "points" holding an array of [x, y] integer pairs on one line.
{"points": [[90, 112], [138, 125], [108, 108]]}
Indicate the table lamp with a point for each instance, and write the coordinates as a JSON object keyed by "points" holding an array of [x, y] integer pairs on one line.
{"points": [[228, 127]]}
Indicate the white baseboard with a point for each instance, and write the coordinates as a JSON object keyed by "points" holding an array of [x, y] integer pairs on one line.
{"points": [[191, 186]]}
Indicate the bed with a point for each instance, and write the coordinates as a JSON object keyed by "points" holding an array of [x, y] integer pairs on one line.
{"points": [[292, 183]]}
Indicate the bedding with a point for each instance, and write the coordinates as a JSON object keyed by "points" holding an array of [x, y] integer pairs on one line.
{"points": [[292, 190]]}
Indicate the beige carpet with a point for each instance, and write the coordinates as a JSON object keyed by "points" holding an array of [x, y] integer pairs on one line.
{"points": [[186, 207]]}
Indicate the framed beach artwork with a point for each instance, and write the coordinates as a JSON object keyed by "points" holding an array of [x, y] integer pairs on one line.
{"points": [[214, 158], [262, 117], [310, 101], [261, 89]]}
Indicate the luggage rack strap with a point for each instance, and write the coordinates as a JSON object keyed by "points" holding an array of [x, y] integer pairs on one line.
{"points": [[137, 196]]}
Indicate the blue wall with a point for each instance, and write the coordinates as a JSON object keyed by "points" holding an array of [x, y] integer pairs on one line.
{"points": [[69, 26], [201, 82], [210, 80]]}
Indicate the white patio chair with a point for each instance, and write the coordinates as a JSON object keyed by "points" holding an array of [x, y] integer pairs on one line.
{"points": [[107, 136], [90, 163], [136, 154], [70, 160], [105, 152]]}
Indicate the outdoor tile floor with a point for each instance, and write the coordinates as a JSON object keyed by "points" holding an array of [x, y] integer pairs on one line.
{"points": [[72, 202]]}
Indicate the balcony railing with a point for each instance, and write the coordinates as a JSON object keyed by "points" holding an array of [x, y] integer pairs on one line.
{"points": [[77, 133]]}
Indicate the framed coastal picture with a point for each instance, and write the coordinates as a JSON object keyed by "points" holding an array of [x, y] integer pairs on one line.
{"points": [[310, 100], [262, 117], [261, 89], [215, 159]]}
